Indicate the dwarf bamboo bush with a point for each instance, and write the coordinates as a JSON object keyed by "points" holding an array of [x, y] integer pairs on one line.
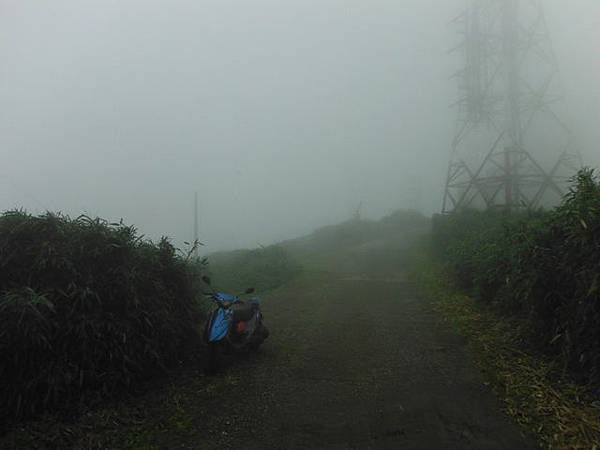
{"points": [[87, 308], [544, 266]]}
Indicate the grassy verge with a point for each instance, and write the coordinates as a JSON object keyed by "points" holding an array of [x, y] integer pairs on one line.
{"points": [[539, 265], [534, 392], [265, 269]]}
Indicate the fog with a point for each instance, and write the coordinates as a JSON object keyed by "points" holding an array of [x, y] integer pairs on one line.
{"points": [[282, 115]]}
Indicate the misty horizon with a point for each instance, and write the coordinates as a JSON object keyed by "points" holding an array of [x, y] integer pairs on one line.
{"points": [[283, 116]]}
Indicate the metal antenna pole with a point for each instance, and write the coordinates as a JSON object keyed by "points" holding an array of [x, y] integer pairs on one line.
{"points": [[196, 236]]}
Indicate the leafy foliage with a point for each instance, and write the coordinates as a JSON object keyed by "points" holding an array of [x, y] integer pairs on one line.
{"points": [[263, 268], [87, 308], [544, 266]]}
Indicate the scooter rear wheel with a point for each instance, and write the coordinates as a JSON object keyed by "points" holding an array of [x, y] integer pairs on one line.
{"points": [[264, 331], [261, 334]]}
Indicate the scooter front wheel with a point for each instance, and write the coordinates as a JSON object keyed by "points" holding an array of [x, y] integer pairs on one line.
{"points": [[215, 356]]}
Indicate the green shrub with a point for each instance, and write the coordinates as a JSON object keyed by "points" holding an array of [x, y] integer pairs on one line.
{"points": [[87, 309], [544, 266]]}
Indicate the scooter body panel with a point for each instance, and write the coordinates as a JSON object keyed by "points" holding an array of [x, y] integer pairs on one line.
{"points": [[218, 325]]}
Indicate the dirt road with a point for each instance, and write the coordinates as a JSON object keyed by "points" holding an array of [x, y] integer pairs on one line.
{"points": [[357, 360]]}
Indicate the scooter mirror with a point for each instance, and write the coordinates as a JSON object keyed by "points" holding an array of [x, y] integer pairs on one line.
{"points": [[249, 290], [206, 279]]}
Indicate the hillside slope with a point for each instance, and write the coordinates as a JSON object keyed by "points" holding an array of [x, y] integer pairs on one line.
{"points": [[356, 359]]}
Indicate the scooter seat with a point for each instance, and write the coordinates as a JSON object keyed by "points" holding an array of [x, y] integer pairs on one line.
{"points": [[243, 314]]}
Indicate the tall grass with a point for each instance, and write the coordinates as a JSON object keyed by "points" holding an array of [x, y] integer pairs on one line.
{"points": [[544, 266], [87, 309], [264, 268]]}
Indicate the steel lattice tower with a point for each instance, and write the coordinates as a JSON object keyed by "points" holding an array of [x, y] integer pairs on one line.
{"points": [[512, 150]]}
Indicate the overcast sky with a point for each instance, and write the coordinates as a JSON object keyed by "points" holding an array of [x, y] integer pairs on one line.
{"points": [[284, 115]]}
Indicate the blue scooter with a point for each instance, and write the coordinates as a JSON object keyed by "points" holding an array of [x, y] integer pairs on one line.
{"points": [[229, 328]]}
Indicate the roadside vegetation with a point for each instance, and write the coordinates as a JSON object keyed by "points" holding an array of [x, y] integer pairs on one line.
{"points": [[88, 309], [264, 268], [267, 268], [319, 248], [91, 311], [355, 232], [562, 414], [541, 266], [526, 289]]}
